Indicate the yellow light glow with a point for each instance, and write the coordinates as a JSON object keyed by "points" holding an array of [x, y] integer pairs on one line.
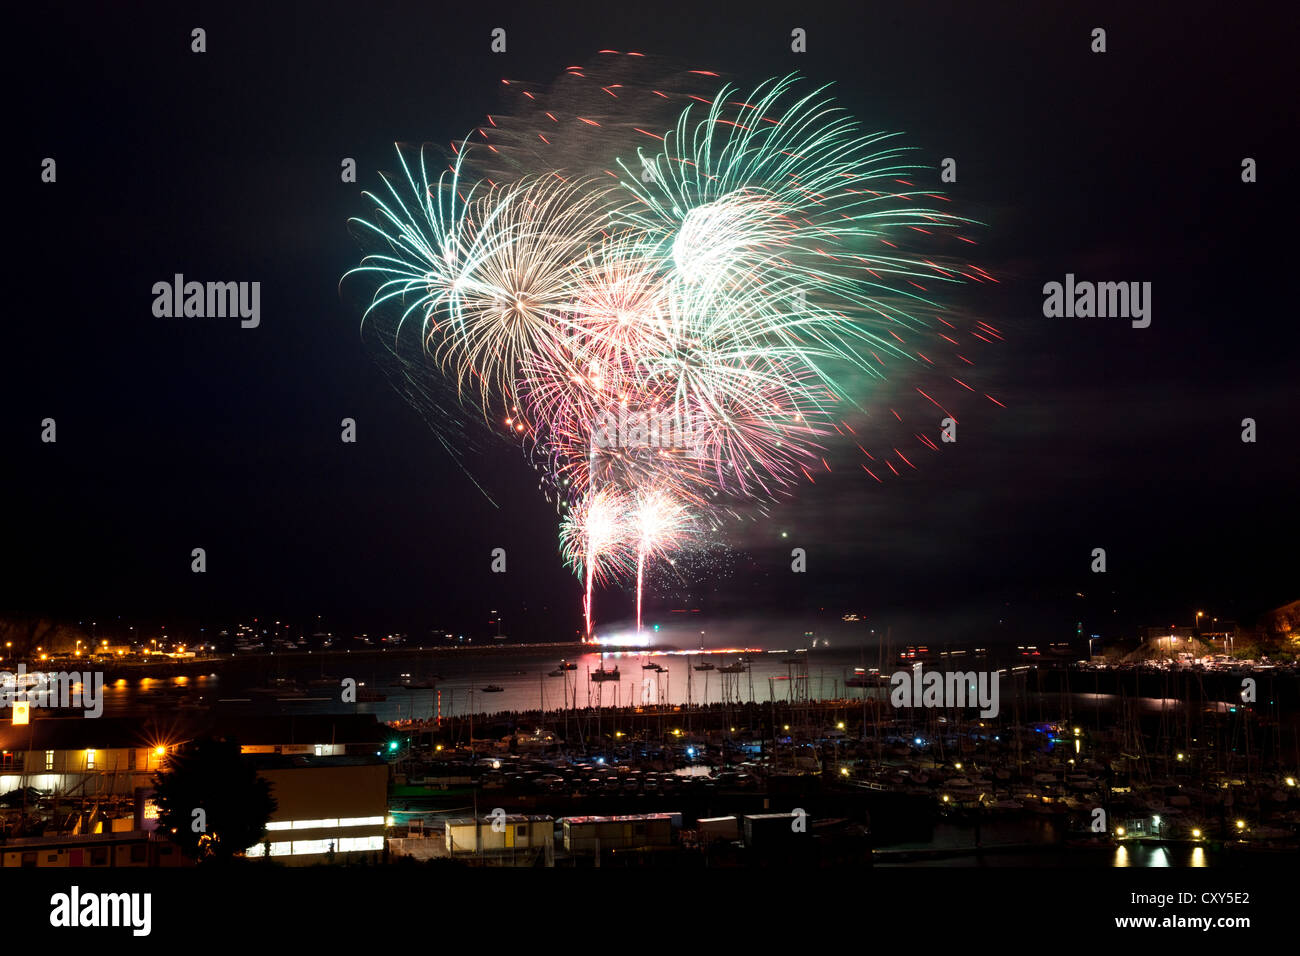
{"points": [[22, 712], [1196, 834], [1119, 831]]}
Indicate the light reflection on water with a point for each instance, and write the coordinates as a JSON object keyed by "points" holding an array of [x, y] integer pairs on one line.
{"points": [[527, 684], [1035, 842]]}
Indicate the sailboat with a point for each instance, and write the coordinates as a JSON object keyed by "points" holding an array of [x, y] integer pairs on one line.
{"points": [[600, 674]]}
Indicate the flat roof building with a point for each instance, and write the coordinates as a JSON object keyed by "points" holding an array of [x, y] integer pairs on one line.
{"points": [[329, 809]]}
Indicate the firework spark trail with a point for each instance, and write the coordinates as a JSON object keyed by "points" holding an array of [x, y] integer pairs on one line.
{"points": [[595, 542], [734, 266], [661, 523]]}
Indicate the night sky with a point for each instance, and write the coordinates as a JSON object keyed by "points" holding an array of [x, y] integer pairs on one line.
{"points": [[182, 433]]}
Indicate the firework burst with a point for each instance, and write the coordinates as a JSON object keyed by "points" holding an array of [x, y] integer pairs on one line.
{"points": [[736, 282]]}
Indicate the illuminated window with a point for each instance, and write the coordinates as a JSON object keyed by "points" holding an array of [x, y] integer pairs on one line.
{"points": [[314, 824], [277, 849], [355, 844], [280, 825], [49, 760], [303, 847], [90, 760], [362, 822]]}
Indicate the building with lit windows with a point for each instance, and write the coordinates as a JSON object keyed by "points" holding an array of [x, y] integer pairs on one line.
{"points": [[328, 809], [108, 757], [113, 756]]}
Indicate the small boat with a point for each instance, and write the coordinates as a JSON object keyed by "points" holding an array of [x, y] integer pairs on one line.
{"points": [[650, 666], [566, 665], [732, 669], [493, 689], [706, 666], [600, 674]]}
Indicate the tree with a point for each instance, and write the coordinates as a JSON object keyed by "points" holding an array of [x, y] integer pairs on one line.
{"points": [[212, 802]]}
